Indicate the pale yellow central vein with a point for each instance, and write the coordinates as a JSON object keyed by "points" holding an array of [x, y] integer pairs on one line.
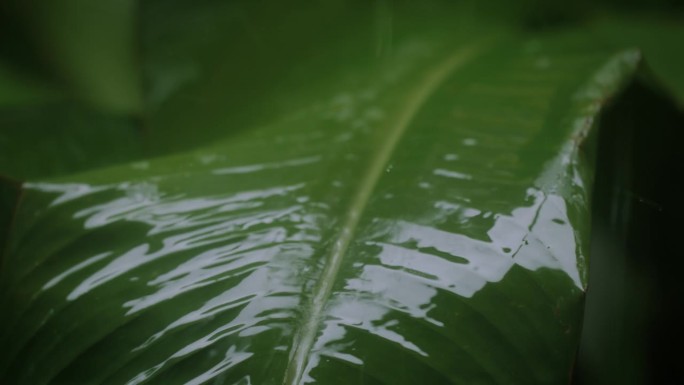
{"points": [[306, 335]]}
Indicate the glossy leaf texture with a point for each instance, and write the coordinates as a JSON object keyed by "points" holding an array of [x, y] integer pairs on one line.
{"points": [[419, 218]]}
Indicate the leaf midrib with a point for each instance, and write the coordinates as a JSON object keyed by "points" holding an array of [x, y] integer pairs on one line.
{"points": [[416, 98]]}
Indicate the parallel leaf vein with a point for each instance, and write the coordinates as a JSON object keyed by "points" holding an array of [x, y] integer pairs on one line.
{"points": [[305, 337]]}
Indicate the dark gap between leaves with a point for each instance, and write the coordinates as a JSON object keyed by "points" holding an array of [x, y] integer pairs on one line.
{"points": [[632, 330]]}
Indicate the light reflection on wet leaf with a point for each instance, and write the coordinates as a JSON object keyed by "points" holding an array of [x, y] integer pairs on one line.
{"points": [[422, 222]]}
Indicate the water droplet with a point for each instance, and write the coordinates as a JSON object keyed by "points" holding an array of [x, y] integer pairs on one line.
{"points": [[142, 192], [469, 213]]}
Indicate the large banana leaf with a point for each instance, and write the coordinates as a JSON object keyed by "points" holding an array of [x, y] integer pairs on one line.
{"points": [[404, 200]]}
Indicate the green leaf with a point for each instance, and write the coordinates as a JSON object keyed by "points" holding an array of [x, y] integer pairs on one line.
{"points": [[90, 46], [400, 206]]}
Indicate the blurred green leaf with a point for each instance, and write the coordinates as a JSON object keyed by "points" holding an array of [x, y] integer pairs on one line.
{"points": [[92, 45]]}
